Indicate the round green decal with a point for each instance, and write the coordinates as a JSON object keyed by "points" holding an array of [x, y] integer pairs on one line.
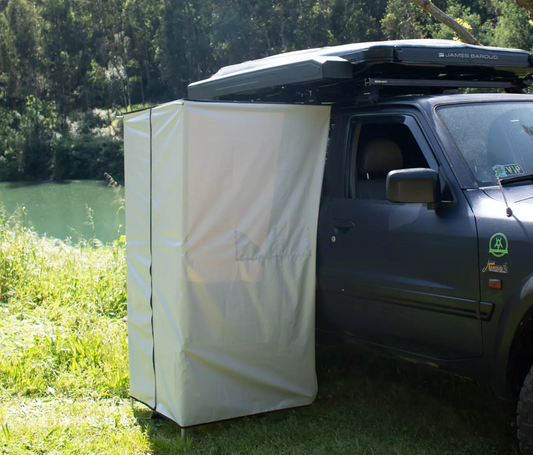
{"points": [[498, 245]]}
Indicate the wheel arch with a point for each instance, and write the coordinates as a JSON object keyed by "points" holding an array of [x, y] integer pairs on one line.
{"points": [[514, 341]]}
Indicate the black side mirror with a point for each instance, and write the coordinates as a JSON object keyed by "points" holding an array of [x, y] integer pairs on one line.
{"points": [[417, 185]]}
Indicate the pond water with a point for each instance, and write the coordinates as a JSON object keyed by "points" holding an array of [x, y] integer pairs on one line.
{"points": [[61, 210]]}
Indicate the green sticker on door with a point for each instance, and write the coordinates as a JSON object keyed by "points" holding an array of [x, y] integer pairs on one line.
{"points": [[498, 245]]}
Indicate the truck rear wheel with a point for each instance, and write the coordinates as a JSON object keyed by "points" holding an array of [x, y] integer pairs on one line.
{"points": [[524, 417]]}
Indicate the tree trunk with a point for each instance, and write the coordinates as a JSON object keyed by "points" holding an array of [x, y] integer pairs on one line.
{"points": [[527, 5], [141, 75], [195, 40], [463, 34]]}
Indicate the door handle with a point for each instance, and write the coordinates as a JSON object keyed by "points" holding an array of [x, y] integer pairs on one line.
{"points": [[343, 224]]}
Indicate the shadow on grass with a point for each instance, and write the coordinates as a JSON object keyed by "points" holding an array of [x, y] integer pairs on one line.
{"points": [[30, 183], [365, 405], [15, 184]]}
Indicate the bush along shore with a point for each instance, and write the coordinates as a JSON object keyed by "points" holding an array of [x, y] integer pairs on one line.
{"points": [[36, 145]]}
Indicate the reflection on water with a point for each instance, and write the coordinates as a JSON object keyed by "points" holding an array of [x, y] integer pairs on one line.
{"points": [[60, 210]]}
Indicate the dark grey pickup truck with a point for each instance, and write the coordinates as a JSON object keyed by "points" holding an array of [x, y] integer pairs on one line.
{"points": [[425, 245]]}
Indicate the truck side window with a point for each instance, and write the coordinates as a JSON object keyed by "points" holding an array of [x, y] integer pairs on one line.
{"points": [[377, 149]]}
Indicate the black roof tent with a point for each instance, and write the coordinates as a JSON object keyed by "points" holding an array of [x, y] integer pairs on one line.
{"points": [[330, 71]]}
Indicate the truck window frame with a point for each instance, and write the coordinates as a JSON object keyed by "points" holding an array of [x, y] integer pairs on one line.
{"points": [[376, 118]]}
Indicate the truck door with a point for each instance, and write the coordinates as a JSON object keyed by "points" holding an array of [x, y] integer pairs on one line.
{"points": [[397, 275]]}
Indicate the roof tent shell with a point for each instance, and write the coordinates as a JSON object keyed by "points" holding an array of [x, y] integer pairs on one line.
{"points": [[342, 65]]}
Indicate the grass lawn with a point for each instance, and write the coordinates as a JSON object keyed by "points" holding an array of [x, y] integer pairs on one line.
{"points": [[64, 379]]}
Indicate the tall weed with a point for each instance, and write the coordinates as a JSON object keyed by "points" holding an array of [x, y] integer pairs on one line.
{"points": [[62, 314]]}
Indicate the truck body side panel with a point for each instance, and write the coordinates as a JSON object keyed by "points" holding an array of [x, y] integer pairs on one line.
{"points": [[401, 276]]}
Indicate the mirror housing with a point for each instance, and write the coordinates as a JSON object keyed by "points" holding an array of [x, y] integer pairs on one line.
{"points": [[418, 185]]}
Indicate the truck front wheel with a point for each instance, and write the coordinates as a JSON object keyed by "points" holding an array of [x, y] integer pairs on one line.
{"points": [[524, 417]]}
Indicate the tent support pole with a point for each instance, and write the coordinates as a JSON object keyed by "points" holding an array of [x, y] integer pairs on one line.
{"points": [[183, 434]]}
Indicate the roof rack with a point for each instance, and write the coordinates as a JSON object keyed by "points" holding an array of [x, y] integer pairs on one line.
{"points": [[334, 74]]}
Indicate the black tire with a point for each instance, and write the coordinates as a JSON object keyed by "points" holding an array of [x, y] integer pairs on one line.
{"points": [[524, 418]]}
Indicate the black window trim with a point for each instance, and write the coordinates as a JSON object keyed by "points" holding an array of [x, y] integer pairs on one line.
{"points": [[394, 117]]}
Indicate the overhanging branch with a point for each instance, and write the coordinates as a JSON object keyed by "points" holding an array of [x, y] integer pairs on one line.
{"points": [[527, 5], [463, 34]]}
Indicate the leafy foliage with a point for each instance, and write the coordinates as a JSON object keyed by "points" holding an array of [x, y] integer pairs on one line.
{"points": [[63, 315], [63, 62]]}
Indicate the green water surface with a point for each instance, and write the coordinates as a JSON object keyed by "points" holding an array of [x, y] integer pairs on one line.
{"points": [[60, 210]]}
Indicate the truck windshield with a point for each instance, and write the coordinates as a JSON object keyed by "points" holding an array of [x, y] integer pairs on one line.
{"points": [[495, 139]]}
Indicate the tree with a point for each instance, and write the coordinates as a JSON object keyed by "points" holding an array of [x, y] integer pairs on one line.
{"points": [[512, 28], [403, 20], [25, 55], [141, 22], [9, 75], [527, 5], [184, 49], [67, 65], [63, 38], [356, 20], [463, 34]]}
